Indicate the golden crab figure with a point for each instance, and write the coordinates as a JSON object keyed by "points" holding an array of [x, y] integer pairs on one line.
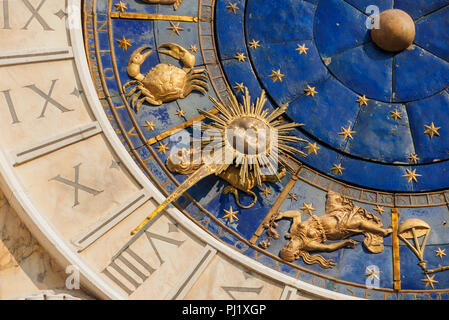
{"points": [[164, 82], [249, 139]]}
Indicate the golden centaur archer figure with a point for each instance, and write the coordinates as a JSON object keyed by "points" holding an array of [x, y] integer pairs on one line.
{"points": [[341, 220]]}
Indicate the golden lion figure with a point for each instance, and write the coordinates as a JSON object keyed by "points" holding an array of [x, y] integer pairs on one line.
{"points": [[341, 220]]}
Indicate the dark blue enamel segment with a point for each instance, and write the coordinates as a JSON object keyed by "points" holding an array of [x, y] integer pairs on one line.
{"points": [[339, 27], [356, 261], [279, 21], [238, 73], [129, 29], [103, 32], [423, 112], [323, 160], [432, 35], [418, 74], [133, 6], [419, 8], [438, 237], [162, 117], [229, 30], [375, 175], [413, 277], [187, 37], [433, 176], [324, 115], [299, 70], [380, 176], [363, 4], [379, 137], [366, 70], [102, 7]]}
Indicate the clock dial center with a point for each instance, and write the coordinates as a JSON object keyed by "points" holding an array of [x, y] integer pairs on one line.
{"points": [[395, 32], [249, 135]]}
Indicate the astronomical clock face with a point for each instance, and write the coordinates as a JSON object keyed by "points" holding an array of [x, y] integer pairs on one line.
{"points": [[259, 149]]}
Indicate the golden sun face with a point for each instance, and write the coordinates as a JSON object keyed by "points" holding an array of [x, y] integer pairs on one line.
{"points": [[250, 137]]}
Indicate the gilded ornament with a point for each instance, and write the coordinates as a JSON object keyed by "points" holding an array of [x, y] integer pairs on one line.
{"points": [[164, 82], [411, 175], [232, 7], [175, 28], [149, 125], [341, 220], [124, 43], [413, 157], [302, 49], [245, 137], [310, 91], [431, 130], [362, 101], [121, 6], [254, 44]]}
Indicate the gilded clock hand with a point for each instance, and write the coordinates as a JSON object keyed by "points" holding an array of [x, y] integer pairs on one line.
{"points": [[204, 171], [152, 16]]}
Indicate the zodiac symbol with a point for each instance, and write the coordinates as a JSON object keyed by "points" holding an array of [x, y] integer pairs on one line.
{"points": [[164, 82], [341, 220], [415, 229]]}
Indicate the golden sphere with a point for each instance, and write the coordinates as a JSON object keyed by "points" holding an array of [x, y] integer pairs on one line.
{"points": [[396, 31]]}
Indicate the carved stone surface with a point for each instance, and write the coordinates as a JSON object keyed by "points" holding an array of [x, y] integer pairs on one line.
{"points": [[24, 264]]}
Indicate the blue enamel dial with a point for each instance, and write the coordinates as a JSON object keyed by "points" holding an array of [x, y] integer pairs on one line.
{"points": [[375, 124]]}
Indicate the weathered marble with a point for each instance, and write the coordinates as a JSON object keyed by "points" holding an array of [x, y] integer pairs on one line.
{"points": [[224, 279], [24, 265]]}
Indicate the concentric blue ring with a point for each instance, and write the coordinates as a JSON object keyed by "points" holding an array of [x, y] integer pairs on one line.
{"points": [[342, 64]]}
